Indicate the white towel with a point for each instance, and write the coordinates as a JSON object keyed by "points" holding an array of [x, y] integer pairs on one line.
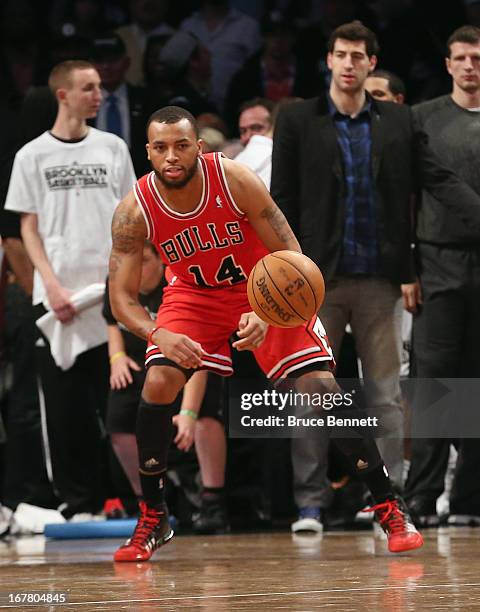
{"points": [[85, 331]]}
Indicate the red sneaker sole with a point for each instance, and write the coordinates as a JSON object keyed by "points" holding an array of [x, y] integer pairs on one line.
{"points": [[412, 543], [117, 557]]}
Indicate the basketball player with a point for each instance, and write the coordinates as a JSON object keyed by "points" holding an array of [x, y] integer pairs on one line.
{"points": [[212, 220]]}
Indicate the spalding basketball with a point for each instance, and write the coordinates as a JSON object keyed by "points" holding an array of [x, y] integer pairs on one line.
{"points": [[285, 289]]}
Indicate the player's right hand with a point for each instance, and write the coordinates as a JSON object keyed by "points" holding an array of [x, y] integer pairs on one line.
{"points": [[251, 331], [59, 300], [179, 348]]}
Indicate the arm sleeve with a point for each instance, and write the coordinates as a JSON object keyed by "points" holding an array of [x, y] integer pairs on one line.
{"points": [[285, 186]]}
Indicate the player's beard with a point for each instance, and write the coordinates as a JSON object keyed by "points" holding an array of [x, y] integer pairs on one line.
{"points": [[189, 174]]}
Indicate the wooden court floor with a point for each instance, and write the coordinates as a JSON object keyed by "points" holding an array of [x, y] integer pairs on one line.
{"points": [[268, 571]]}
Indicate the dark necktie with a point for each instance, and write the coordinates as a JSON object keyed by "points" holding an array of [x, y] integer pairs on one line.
{"points": [[114, 120]]}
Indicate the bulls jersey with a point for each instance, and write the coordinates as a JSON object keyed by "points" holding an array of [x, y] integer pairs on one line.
{"points": [[213, 245]]}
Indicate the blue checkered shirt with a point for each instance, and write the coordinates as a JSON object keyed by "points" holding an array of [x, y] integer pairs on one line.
{"points": [[360, 253]]}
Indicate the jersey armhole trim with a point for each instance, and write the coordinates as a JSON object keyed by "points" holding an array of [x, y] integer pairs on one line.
{"points": [[223, 182], [139, 197]]}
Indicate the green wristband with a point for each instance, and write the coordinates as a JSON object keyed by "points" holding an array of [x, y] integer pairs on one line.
{"points": [[193, 415]]}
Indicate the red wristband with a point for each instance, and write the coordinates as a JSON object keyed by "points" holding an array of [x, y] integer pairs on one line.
{"points": [[150, 334]]}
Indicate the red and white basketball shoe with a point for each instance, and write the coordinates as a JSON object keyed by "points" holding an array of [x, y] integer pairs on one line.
{"points": [[152, 531], [397, 524]]}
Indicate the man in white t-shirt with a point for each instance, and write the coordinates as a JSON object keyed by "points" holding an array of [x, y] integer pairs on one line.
{"points": [[66, 184]]}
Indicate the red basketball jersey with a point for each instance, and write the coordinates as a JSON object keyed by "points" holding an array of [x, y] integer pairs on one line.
{"points": [[214, 244]]}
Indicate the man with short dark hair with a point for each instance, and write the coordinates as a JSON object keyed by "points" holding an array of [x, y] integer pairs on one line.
{"points": [[344, 169], [386, 86], [447, 326]]}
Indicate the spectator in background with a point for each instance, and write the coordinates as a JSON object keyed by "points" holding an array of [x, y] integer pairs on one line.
{"points": [[153, 67], [187, 66], [121, 110], [257, 153], [24, 478], [386, 86], [344, 169], [447, 325], [81, 18], [255, 118], [230, 36], [275, 73], [148, 19], [66, 183], [212, 120], [212, 139]]}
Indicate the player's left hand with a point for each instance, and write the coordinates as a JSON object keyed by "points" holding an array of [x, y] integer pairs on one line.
{"points": [[185, 431], [251, 331]]}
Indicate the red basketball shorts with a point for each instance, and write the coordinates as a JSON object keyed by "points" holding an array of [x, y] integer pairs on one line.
{"points": [[211, 316]]}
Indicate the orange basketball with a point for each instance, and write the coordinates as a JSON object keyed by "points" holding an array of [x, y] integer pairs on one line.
{"points": [[285, 289]]}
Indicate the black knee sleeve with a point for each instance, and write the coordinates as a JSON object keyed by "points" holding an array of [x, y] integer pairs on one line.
{"points": [[357, 443], [362, 452], [154, 435]]}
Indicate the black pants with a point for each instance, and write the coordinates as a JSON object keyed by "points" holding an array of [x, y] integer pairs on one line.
{"points": [[446, 340], [24, 475], [74, 403]]}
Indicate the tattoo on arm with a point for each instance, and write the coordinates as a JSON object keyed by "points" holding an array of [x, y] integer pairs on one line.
{"points": [[128, 233], [276, 220], [128, 236], [114, 265]]}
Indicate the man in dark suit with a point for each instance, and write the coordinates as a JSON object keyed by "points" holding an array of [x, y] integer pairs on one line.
{"points": [[122, 107], [345, 167]]}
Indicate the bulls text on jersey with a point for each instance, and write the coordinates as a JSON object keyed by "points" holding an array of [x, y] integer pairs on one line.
{"points": [[190, 241]]}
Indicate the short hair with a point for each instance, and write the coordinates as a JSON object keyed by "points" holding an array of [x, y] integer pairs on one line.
{"points": [[466, 34], [265, 102], [395, 83], [61, 74], [355, 31], [173, 114]]}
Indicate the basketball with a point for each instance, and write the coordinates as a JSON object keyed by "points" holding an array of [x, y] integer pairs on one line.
{"points": [[285, 289]]}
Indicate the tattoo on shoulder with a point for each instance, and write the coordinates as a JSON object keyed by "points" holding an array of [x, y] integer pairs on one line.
{"points": [[128, 232], [277, 222]]}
